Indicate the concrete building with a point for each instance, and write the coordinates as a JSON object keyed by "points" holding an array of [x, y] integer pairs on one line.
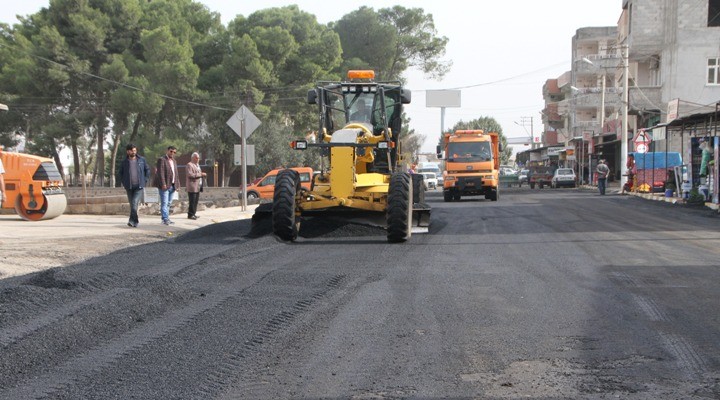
{"points": [[674, 71]]}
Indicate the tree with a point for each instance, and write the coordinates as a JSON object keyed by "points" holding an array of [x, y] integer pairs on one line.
{"points": [[392, 40], [487, 124]]}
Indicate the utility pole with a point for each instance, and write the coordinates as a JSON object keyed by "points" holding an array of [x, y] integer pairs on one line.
{"points": [[523, 122], [625, 101]]}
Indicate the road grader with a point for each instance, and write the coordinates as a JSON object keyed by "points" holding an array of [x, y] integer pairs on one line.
{"points": [[358, 137]]}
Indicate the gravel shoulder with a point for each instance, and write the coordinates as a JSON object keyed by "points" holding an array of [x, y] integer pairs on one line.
{"points": [[68, 239]]}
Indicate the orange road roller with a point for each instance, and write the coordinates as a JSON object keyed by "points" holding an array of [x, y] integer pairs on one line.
{"points": [[33, 186]]}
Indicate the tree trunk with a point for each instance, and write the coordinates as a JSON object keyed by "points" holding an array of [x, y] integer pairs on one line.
{"points": [[76, 160], [136, 128], [100, 162]]}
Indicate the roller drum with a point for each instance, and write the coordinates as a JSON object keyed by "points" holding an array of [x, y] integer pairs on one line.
{"points": [[52, 206]]}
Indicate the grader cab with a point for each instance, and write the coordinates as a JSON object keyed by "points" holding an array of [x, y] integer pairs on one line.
{"points": [[360, 124]]}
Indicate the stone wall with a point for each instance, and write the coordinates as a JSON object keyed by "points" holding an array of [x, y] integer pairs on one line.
{"points": [[113, 201]]}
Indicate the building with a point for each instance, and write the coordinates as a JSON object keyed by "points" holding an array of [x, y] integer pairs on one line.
{"points": [[669, 49]]}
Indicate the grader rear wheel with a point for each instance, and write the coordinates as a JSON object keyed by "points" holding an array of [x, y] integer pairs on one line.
{"points": [[400, 206], [284, 220]]}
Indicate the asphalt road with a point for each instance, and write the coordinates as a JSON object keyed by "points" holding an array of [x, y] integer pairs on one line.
{"points": [[544, 294]]}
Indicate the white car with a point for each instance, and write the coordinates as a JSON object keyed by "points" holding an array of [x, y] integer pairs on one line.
{"points": [[563, 177], [430, 180], [522, 178]]}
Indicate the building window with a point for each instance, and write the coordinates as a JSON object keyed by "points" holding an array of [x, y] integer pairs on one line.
{"points": [[713, 74], [713, 12]]}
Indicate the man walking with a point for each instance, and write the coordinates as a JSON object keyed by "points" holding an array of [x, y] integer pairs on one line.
{"points": [[167, 180], [134, 174], [602, 171]]}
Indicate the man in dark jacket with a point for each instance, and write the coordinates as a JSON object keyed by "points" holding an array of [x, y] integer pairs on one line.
{"points": [[167, 180], [134, 174]]}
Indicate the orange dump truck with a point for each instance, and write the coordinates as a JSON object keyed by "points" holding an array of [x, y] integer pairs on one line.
{"points": [[472, 162]]}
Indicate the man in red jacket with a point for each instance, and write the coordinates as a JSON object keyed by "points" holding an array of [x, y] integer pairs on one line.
{"points": [[167, 180]]}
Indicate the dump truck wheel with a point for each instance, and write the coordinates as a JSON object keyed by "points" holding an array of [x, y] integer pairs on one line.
{"points": [[447, 196], [494, 194], [418, 188], [399, 211], [284, 222]]}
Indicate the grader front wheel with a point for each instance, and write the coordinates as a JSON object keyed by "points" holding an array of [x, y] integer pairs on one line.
{"points": [[400, 206], [284, 220]]}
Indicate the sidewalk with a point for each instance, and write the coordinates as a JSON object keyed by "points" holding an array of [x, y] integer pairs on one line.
{"points": [[614, 189], [33, 246]]}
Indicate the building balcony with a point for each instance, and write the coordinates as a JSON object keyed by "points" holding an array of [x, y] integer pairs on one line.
{"points": [[592, 98], [600, 63], [646, 98]]}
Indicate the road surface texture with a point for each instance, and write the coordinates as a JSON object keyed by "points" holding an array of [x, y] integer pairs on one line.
{"points": [[545, 294]]}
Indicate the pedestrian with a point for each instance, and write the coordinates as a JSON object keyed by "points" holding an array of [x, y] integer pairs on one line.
{"points": [[194, 184], [134, 174], [2, 183], [167, 180], [602, 171]]}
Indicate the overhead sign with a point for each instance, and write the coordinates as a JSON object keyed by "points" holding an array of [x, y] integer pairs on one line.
{"points": [[442, 98], [243, 114]]}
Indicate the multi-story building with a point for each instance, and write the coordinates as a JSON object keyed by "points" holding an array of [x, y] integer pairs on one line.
{"points": [[673, 59]]}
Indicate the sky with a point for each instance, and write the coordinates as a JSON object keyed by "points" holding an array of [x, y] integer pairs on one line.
{"points": [[502, 52]]}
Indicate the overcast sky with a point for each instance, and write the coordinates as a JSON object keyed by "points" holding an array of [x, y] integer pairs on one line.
{"points": [[505, 49]]}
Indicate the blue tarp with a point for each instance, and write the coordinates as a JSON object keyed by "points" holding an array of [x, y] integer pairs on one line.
{"points": [[657, 160]]}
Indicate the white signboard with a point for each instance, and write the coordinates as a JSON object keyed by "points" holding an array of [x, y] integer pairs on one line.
{"points": [[250, 150], [554, 151], [672, 110], [442, 98]]}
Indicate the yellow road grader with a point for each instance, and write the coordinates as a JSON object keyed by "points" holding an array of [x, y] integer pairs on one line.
{"points": [[360, 124]]}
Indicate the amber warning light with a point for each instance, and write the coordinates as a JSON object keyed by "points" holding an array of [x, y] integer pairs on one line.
{"points": [[361, 74]]}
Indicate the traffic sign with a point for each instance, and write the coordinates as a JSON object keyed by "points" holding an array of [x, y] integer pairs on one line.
{"points": [[243, 114], [642, 141], [641, 147]]}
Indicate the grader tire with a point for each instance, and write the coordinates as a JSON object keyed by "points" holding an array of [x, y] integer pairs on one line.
{"points": [[284, 221], [399, 212], [447, 196]]}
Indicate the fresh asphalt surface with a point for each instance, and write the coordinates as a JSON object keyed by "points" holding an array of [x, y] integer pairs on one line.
{"points": [[544, 294]]}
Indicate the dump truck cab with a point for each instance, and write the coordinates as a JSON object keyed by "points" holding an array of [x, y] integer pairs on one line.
{"points": [[358, 137], [472, 163]]}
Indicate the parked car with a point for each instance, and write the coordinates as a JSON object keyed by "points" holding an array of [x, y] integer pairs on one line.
{"points": [[265, 189], [563, 177], [430, 180], [523, 176]]}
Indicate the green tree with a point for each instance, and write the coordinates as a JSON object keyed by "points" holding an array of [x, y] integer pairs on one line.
{"points": [[391, 41]]}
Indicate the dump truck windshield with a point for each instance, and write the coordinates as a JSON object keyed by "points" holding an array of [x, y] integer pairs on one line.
{"points": [[469, 152]]}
